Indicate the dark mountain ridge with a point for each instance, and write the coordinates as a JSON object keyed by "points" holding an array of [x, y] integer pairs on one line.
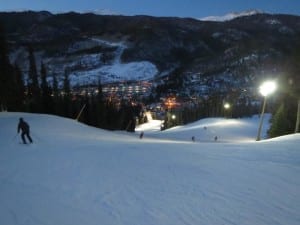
{"points": [[244, 48]]}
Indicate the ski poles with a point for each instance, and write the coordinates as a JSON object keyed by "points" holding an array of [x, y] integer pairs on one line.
{"points": [[35, 137], [14, 137], [11, 142]]}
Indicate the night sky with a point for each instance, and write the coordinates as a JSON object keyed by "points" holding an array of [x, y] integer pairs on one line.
{"points": [[178, 8]]}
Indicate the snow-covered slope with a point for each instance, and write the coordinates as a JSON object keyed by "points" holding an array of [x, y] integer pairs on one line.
{"points": [[116, 71], [231, 16], [84, 68], [205, 130], [75, 174]]}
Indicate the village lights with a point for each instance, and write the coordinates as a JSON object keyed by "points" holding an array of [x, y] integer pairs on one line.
{"points": [[173, 117], [170, 103], [265, 90]]}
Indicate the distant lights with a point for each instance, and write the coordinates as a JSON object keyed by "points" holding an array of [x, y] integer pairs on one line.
{"points": [[226, 105]]}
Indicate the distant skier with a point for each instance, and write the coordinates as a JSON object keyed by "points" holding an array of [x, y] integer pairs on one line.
{"points": [[24, 127], [193, 138], [141, 135], [216, 138]]}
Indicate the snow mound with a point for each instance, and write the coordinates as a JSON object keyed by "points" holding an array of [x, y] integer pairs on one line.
{"points": [[205, 130]]}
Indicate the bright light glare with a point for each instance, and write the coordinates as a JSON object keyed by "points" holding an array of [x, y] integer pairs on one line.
{"points": [[226, 105], [267, 88]]}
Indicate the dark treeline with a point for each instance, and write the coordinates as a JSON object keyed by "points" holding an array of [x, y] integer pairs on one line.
{"points": [[37, 95], [11, 82], [286, 117], [210, 107]]}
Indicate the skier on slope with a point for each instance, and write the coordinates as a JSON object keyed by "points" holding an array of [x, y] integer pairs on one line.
{"points": [[24, 127], [142, 135]]}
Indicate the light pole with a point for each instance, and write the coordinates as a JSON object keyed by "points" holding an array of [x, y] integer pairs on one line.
{"points": [[265, 89], [226, 109]]}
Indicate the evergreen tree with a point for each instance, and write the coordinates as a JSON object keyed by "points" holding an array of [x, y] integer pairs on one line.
{"points": [[20, 89], [47, 100], [100, 109], [7, 95], [280, 123], [54, 86], [55, 96], [289, 90], [297, 117], [67, 96], [33, 83], [294, 82], [66, 85], [112, 116]]}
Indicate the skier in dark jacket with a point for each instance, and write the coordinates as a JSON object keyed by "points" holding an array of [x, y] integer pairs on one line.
{"points": [[24, 127]]}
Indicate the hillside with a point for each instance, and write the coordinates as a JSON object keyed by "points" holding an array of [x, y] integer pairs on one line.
{"points": [[237, 53], [75, 174]]}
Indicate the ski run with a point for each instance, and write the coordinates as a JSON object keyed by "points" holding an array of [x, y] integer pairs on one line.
{"points": [[74, 174]]}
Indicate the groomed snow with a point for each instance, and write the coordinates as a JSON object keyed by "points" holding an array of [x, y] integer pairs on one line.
{"points": [[74, 174], [115, 73], [205, 130]]}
